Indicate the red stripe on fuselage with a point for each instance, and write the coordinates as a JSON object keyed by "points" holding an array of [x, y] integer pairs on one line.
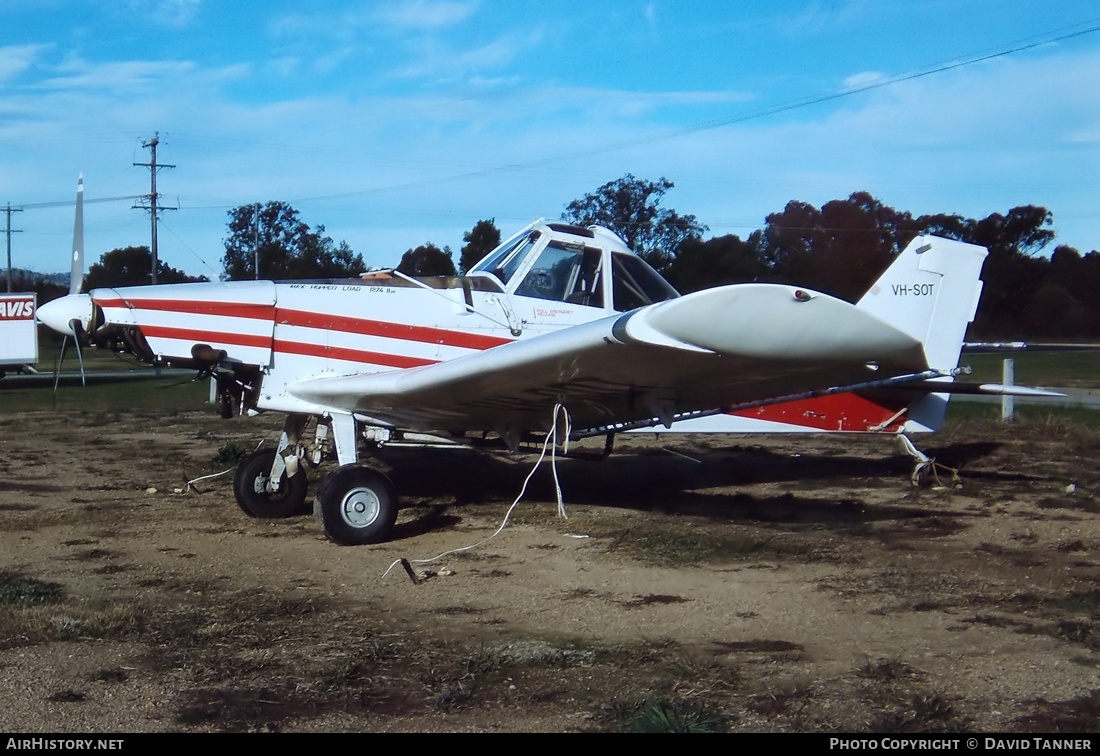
{"points": [[205, 337], [402, 331], [351, 355], [192, 307], [847, 412], [323, 321], [285, 347]]}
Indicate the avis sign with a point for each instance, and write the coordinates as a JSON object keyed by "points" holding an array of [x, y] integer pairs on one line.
{"points": [[18, 330]]}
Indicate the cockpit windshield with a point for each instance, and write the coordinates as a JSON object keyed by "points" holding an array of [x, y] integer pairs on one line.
{"points": [[563, 263], [565, 273], [636, 284], [505, 261]]}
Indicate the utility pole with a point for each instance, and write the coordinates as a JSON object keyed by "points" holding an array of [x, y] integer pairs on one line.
{"points": [[256, 239], [9, 210], [152, 197]]}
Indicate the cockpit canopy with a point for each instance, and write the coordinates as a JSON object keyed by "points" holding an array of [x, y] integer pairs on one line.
{"points": [[564, 263]]}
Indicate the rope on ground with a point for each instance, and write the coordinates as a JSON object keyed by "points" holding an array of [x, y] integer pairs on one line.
{"points": [[191, 483], [928, 465], [550, 442]]}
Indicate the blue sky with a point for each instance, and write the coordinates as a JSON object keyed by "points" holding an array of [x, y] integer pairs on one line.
{"points": [[401, 122]]}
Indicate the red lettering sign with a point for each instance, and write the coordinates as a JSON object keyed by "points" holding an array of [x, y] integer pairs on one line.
{"points": [[16, 309]]}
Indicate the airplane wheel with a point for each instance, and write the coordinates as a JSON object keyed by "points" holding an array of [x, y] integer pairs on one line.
{"points": [[249, 483], [355, 506]]}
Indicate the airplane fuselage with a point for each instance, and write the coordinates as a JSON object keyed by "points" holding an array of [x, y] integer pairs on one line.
{"points": [[294, 331]]}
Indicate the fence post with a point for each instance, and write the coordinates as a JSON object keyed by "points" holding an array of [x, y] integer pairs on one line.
{"points": [[1008, 403]]}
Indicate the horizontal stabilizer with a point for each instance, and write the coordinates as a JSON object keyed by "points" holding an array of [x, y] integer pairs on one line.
{"points": [[995, 389]]}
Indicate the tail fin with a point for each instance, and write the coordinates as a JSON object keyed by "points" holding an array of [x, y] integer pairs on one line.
{"points": [[931, 292]]}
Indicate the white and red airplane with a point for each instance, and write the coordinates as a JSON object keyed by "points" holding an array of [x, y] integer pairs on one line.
{"points": [[557, 315]]}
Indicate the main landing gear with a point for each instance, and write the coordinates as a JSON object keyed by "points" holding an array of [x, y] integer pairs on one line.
{"points": [[257, 498], [354, 505]]}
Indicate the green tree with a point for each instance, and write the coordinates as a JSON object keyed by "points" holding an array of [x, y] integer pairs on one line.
{"points": [[716, 262], [131, 266], [288, 247], [482, 239], [630, 207], [46, 287], [427, 260], [840, 249], [1014, 273], [1080, 276]]}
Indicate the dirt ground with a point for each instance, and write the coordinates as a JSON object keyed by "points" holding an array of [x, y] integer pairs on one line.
{"points": [[700, 583]]}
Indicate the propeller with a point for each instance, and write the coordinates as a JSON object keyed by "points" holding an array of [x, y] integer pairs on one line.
{"points": [[67, 315]]}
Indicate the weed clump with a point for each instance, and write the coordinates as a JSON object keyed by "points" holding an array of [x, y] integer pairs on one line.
{"points": [[230, 454], [17, 590], [663, 715]]}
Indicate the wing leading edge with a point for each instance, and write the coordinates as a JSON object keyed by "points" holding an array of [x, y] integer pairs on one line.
{"points": [[713, 348]]}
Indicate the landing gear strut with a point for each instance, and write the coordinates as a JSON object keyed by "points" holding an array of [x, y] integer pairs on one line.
{"points": [[354, 505]]}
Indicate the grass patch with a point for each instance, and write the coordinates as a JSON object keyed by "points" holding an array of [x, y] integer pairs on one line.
{"points": [[110, 676], [229, 455], [1080, 632], [762, 646], [928, 711], [651, 599], [43, 623], [1076, 369], [1077, 715], [964, 416], [1082, 602], [19, 591], [664, 715], [886, 670], [67, 696], [110, 402]]}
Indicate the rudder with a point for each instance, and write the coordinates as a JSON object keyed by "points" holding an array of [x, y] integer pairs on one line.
{"points": [[931, 292]]}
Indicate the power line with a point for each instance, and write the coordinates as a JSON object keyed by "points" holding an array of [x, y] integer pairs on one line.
{"points": [[70, 203], [1020, 46]]}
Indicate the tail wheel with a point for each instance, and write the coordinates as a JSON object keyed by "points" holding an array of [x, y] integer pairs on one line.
{"points": [[250, 488], [355, 506]]}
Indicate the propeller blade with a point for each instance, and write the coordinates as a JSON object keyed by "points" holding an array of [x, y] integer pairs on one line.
{"points": [[76, 273], [60, 359], [78, 335]]}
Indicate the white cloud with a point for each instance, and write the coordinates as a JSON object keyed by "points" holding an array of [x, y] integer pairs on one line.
{"points": [[116, 76], [168, 78], [15, 59], [424, 14], [863, 79], [436, 60], [170, 13]]}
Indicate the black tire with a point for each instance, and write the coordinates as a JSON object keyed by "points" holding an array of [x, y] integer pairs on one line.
{"points": [[356, 506], [252, 474]]}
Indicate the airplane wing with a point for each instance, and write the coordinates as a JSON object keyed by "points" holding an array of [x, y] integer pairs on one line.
{"points": [[711, 349]]}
